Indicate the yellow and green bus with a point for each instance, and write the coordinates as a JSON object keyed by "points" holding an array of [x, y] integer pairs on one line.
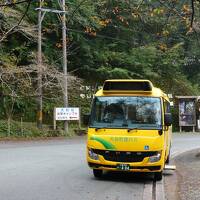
{"points": [[129, 128]]}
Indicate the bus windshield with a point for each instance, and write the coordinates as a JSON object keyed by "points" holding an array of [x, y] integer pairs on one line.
{"points": [[126, 112]]}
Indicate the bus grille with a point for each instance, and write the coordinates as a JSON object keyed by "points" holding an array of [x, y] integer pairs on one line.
{"points": [[124, 156]]}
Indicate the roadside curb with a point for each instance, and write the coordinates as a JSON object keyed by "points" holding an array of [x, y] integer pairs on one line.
{"points": [[148, 191], [160, 193], [154, 191]]}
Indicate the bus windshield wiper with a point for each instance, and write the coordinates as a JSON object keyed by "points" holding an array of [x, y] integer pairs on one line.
{"points": [[131, 129], [98, 128]]}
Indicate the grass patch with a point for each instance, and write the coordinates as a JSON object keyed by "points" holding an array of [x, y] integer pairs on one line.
{"points": [[29, 130]]}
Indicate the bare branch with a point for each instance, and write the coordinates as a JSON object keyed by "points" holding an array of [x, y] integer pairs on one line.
{"points": [[20, 82], [19, 22]]}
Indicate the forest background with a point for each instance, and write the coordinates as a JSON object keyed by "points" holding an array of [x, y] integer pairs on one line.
{"points": [[129, 39]]}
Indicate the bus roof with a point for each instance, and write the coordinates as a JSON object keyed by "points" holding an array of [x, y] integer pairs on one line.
{"points": [[130, 87]]}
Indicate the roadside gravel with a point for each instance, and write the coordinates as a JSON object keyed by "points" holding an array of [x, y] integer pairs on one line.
{"points": [[184, 183]]}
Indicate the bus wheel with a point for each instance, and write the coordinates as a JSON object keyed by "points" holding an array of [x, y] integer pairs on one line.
{"points": [[97, 173], [158, 176]]}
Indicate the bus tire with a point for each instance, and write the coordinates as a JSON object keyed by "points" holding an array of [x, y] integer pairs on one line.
{"points": [[158, 176], [97, 173]]}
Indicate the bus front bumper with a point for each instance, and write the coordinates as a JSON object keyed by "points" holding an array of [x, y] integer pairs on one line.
{"points": [[135, 168], [99, 162]]}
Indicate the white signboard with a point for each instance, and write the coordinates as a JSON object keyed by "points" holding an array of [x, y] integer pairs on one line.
{"points": [[70, 113]]}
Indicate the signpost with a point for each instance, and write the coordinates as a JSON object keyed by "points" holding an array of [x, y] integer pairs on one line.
{"points": [[67, 114]]}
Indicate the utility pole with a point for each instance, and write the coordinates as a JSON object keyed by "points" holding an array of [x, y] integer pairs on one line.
{"points": [[64, 61], [62, 14], [39, 63]]}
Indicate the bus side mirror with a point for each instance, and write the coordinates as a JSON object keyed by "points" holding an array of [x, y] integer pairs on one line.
{"points": [[168, 119], [86, 119]]}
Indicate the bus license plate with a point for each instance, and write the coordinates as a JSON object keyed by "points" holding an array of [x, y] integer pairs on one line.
{"points": [[124, 167]]}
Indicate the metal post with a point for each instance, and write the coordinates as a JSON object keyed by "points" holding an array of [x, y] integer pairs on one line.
{"points": [[54, 119], [39, 93], [79, 122], [64, 61], [21, 124]]}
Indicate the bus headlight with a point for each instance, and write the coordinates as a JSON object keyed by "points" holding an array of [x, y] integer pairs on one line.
{"points": [[156, 157], [92, 155]]}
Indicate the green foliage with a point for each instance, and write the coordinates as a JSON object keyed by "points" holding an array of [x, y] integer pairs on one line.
{"points": [[106, 39]]}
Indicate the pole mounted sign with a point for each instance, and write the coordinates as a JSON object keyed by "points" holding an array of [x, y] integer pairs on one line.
{"points": [[66, 114]]}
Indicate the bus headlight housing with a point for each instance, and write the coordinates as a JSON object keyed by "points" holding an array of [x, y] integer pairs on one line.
{"points": [[93, 155], [156, 157]]}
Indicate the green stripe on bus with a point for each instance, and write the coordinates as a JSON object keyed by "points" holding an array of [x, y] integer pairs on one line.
{"points": [[105, 143]]}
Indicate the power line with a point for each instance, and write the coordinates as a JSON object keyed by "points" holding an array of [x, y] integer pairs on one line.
{"points": [[14, 3], [99, 35]]}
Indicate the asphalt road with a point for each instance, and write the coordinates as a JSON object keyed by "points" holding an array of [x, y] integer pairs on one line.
{"points": [[57, 170], [184, 142]]}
